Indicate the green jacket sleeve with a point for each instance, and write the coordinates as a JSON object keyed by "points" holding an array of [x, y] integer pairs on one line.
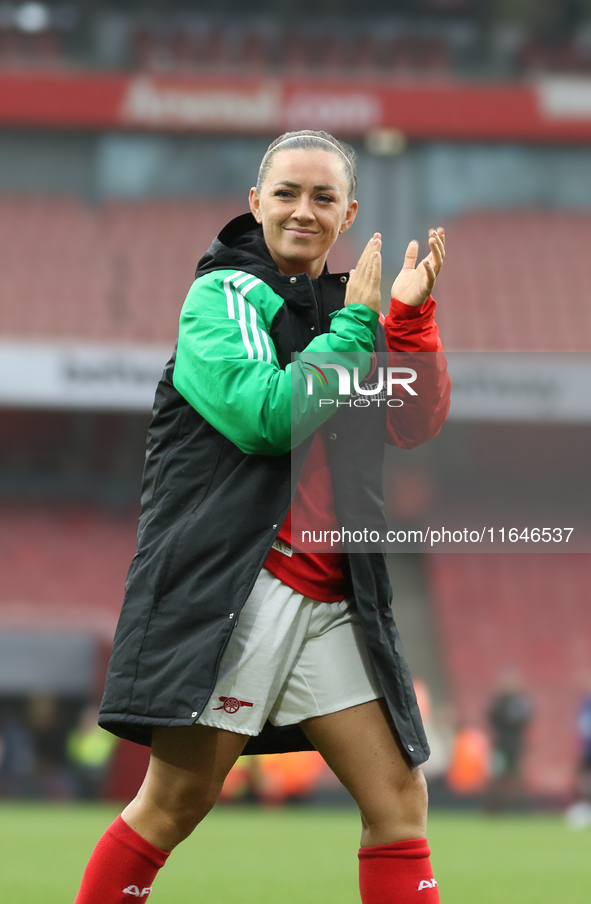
{"points": [[227, 369]]}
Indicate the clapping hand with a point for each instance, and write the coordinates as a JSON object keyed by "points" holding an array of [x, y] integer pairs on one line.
{"points": [[364, 281], [414, 284]]}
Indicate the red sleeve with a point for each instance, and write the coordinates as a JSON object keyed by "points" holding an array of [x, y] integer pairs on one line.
{"points": [[413, 331]]}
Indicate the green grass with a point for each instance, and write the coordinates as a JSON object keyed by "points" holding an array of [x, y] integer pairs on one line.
{"points": [[298, 856]]}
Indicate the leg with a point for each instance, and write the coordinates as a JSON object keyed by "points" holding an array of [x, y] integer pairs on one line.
{"points": [[360, 746], [185, 776], [187, 769]]}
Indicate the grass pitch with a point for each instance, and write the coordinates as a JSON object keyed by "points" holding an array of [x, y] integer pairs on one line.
{"points": [[297, 856]]}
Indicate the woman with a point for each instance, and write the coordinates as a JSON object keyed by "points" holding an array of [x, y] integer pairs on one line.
{"points": [[225, 635]]}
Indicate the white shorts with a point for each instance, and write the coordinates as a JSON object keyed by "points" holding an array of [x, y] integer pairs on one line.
{"points": [[289, 658]]}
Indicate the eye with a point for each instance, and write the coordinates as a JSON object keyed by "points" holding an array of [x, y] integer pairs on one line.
{"points": [[325, 198], [283, 193]]}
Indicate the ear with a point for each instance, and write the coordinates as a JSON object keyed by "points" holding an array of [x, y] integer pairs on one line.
{"points": [[349, 217], [255, 205]]}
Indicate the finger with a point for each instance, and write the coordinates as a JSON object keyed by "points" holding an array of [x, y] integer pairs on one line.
{"points": [[367, 273], [437, 247], [436, 241], [430, 274], [377, 274], [365, 256], [437, 253], [374, 273], [371, 244], [410, 258], [366, 262], [438, 236]]}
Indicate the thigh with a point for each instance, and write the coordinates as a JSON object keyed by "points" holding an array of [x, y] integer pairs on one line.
{"points": [[361, 746], [194, 753]]}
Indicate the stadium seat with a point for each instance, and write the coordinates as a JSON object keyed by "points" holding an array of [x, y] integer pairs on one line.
{"points": [[530, 613], [63, 566], [18, 48], [119, 272], [477, 293], [362, 53]]}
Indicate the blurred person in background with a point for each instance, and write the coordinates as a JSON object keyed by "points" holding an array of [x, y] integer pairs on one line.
{"points": [[17, 755], [225, 634], [46, 722], [468, 772], [578, 814], [90, 749], [509, 715]]}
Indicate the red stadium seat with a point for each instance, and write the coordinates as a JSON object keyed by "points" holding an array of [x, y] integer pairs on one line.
{"points": [[63, 566], [530, 613], [505, 289], [362, 53], [254, 53], [185, 49], [119, 272], [115, 273]]}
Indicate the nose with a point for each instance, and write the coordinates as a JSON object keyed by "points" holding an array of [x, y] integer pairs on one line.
{"points": [[303, 210]]}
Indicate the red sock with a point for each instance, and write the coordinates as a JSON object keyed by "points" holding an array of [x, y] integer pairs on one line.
{"points": [[122, 867], [398, 873]]}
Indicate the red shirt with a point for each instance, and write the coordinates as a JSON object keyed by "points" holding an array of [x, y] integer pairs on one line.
{"points": [[324, 576]]}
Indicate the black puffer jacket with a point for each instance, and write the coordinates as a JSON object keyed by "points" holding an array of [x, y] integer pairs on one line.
{"points": [[211, 511]]}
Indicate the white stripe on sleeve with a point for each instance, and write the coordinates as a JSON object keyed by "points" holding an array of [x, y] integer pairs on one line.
{"points": [[243, 277], [255, 332], [229, 298], [243, 326], [231, 284], [246, 289], [267, 346]]}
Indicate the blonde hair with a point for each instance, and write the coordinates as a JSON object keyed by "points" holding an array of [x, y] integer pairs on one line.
{"points": [[309, 139]]}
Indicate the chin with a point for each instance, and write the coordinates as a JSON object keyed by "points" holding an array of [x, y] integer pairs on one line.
{"points": [[301, 261], [304, 252]]}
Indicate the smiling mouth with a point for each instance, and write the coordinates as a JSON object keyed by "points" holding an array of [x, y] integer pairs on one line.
{"points": [[297, 231]]}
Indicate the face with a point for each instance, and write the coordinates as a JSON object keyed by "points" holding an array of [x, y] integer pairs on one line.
{"points": [[303, 208]]}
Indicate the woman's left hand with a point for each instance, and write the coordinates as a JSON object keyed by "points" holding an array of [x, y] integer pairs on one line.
{"points": [[413, 285]]}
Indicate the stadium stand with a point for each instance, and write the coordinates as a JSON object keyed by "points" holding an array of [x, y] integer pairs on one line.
{"points": [[311, 45], [437, 38], [115, 272], [63, 567], [543, 255], [333, 46], [21, 49], [530, 613], [120, 271]]}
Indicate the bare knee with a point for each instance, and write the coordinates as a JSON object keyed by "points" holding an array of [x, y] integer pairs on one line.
{"points": [[398, 812], [409, 797], [184, 779], [187, 806], [167, 815]]}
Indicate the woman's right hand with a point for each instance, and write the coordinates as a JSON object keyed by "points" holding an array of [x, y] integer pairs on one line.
{"points": [[364, 281]]}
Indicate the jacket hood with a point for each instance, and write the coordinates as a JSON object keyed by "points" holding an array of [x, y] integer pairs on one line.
{"points": [[240, 245]]}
